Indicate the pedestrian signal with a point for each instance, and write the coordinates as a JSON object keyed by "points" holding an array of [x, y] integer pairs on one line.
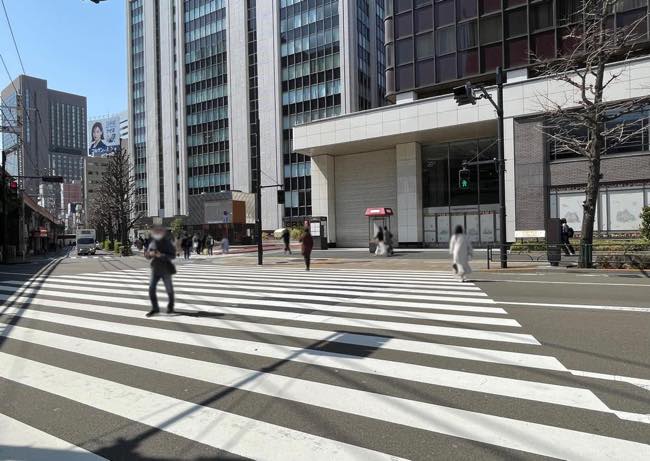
{"points": [[463, 179]]}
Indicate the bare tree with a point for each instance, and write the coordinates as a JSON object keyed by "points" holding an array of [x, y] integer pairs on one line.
{"points": [[116, 206], [592, 124], [101, 219]]}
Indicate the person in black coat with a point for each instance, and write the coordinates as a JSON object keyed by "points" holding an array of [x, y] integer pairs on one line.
{"points": [[161, 252], [286, 239]]}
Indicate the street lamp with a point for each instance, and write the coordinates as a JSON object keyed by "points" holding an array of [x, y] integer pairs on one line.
{"points": [[466, 95]]}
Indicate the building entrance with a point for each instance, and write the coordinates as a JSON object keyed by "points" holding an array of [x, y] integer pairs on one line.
{"points": [[446, 205]]}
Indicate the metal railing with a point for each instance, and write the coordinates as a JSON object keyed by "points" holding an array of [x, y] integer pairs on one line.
{"points": [[633, 253]]}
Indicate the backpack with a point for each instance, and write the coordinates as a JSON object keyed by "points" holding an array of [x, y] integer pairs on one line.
{"points": [[569, 232]]}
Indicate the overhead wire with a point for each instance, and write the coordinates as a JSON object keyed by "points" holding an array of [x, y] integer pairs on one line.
{"points": [[13, 37]]}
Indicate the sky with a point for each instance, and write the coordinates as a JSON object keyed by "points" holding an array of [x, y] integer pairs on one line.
{"points": [[76, 45]]}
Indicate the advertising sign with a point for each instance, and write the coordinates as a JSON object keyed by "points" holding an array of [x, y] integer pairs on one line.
{"points": [[104, 136]]}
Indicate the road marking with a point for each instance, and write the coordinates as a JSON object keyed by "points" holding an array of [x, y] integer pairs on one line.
{"points": [[256, 301], [642, 383], [386, 284], [364, 340], [20, 441], [254, 439], [477, 382], [259, 440], [425, 304], [334, 397], [577, 306], [410, 315], [300, 287], [293, 316], [550, 282]]}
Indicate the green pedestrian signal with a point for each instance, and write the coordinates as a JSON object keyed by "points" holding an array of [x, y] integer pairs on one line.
{"points": [[463, 179]]}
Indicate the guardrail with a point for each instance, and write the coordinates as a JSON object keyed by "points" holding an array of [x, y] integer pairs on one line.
{"points": [[604, 254]]}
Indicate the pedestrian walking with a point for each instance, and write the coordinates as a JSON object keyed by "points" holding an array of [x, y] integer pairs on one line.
{"points": [[209, 243], [286, 238], [566, 234], [307, 244], [161, 252], [225, 245], [195, 243], [388, 241], [187, 246], [460, 249], [381, 246]]}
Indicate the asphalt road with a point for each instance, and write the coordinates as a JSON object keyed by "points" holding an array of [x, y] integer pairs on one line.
{"points": [[338, 363]]}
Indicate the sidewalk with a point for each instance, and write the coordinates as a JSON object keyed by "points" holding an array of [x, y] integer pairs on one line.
{"points": [[32, 259]]}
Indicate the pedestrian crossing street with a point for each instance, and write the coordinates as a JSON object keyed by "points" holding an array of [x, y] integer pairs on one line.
{"points": [[281, 364]]}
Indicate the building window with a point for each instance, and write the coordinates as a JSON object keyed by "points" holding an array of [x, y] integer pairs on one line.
{"points": [[628, 134]]}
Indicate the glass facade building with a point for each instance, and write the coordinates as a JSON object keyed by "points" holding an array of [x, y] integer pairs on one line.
{"points": [[431, 45], [206, 94], [242, 75], [311, 86], [138, 128]]}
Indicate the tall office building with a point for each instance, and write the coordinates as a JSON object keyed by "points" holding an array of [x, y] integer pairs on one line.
{"points": [[51, 135], [418, 146], [216, 87]]}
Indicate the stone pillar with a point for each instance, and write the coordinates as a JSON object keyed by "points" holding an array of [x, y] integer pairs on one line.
{"points": [[509, 155], [323, 194], [409, 193]]}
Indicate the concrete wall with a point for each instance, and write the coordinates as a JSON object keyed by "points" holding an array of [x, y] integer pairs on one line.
{"points": [[363, 181], [270, 100], [238, 107], [409, 192], [167, 107]]}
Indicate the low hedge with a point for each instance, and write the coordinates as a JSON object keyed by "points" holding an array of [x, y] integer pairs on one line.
{"points": [[620, 261]]}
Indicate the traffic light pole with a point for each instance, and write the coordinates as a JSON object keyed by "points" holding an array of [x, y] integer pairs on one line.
{"points": [[502, 173], [5, 216], [465, 95], [258, 215]]}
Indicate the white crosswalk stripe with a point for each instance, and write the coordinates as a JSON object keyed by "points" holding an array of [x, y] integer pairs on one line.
{"points": [[341, 343]]}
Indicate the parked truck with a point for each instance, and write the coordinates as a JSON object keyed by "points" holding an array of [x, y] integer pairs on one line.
{"points": [[86, 242]]}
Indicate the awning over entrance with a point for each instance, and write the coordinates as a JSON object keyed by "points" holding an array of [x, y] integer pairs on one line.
{"points": [[426, 121], [380, 211]]}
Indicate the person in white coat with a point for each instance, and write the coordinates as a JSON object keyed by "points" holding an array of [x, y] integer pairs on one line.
{"points": [[460, 250]]}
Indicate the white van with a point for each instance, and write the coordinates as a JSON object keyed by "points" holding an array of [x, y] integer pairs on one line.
{"points": [[86, 242]]}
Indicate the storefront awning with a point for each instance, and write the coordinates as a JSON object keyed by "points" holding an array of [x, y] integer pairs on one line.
{"points": [[379, 211]]}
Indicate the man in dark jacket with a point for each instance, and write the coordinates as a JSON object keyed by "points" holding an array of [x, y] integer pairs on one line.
{"points": [[566, 234], [161, 252], [186, 244], [286, 238], [307, 242]]}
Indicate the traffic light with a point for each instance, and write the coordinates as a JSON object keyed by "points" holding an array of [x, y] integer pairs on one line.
{"points": [[52, 179], [463, 178], [281, 197], [13, 186], [464, 94]]}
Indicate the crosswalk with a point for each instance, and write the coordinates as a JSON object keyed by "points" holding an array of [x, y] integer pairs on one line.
{"points": [[280, 364]]}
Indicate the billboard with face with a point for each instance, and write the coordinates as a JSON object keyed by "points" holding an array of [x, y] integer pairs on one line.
{"points": [[104, 136]]}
